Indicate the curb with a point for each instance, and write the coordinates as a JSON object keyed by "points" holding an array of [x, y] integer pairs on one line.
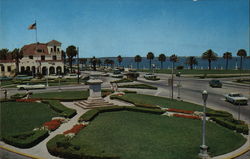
{"points": [[20, 153], [239, 154]]}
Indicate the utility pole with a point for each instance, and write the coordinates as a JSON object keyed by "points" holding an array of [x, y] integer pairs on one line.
{"points": [[78, 71], [172, 81]]}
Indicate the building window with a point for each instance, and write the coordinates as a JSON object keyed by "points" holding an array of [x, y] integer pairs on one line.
{"points": [[54, 48], [42, 58], [39, 50], [2, 68], [51, 49], [58, 50], [9, 68], [54, 57], [30, 57]]}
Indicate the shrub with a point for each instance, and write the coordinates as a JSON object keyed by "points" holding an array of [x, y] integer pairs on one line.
{"points": [[60, 146], [89, 115], [26, 139], [18, 96], [180, 111], [144, 110], [186, 116], [58, 107], [128, 91], [180, 67], [124, 80], [218, 113], [146, 106]]}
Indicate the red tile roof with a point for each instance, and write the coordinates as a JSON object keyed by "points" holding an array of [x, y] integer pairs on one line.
{"points": [[54, 43], [35, 49]]}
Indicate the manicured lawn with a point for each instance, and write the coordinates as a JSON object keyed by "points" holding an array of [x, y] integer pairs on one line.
{"points": [[186, 71], [17, 117], [164, 102], [62, 95], [149, 136]]}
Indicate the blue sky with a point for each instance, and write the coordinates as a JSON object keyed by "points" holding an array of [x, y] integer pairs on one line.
{"points": [[129, 27]]}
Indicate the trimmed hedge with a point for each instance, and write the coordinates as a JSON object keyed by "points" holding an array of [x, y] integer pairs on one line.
{"points": [[18, 96], [232, 124], [128, 91], [58, 107], [26, 139], [124, 80], [139, 86], [218, 113], [91, 114], [60, 146]]}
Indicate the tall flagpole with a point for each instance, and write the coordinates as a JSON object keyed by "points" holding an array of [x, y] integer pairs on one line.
{"points": [[36, 31]]}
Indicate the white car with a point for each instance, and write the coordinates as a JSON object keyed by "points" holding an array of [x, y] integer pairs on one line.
{"points": [[30, 86], [71, 76], [236, 98], [53, 76]]}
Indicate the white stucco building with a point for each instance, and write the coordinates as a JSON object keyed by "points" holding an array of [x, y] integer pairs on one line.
{"points": [[44, 58]]}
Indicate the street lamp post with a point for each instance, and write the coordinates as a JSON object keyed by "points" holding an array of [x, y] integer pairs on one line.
{"points": [[47, 82], [179, 85], [172, 80], [203, 148]]}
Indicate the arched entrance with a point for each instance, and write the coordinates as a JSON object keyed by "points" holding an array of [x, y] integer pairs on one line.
{"points": [[33, 70], [44, 70], [58, 70], [22, 70], [51, 70]]}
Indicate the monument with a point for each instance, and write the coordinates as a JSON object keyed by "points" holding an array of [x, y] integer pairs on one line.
{"points": [[95, 94]]}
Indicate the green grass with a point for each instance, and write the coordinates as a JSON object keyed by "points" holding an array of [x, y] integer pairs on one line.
{"points": [[17, 117], [163, 102], [186, 71], [148, 136], [65, 95]]}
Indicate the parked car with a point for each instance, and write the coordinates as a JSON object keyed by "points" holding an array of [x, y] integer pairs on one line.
{"points": [[30, 86], [71, 76], [23, 77], [5, 78], [149, 75], [215, 83], [53, 76], [236, 98]]}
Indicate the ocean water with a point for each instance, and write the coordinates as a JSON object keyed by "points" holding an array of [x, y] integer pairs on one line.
{"points": [[220, 63]]}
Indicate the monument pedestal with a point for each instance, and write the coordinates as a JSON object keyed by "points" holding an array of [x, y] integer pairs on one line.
{"points": [[95, 99]]}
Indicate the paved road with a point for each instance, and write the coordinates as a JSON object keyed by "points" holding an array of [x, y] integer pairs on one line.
{"points": [[192, 88]]}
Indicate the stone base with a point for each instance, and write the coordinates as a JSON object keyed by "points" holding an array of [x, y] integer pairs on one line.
{"points": [[203, 152], [92, 103]]}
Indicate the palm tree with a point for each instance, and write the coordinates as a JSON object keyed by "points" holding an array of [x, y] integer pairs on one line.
{"points": [[93, 61], [162, 58], [137, 60], [227, 56], [173, 58], [17, 55], [83, 61], [150, 56], [63, 55], [4, 54], [106, 61], [71, 53], [99, 62], [210, 56], [241, 53], [111, 62], [191, 60], [119, 58]]}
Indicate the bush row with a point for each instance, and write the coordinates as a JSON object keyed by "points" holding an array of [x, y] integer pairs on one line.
{"points": [[18, 96], [27, 139], [60, 146], [124, 80], [152, 78], [139, 86], [218, 113], [232, 124], [58, 107], [91, 114]]}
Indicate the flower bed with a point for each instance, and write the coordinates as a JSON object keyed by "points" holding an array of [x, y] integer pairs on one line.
{"points": [[27, 100], [186, 116], [53, 124], [180, 111], [75, 129]]}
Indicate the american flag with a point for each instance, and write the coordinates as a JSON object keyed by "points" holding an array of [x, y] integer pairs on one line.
{"points": [[32, 26]]}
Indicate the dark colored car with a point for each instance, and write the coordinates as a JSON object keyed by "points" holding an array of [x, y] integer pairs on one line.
{"points": [[215, 83]]}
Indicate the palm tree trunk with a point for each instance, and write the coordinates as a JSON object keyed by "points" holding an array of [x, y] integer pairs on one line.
{"points": [[150, 64], [137, 65], [70, 65], [191, 66], [209, 64], [227, 64], [241, 62], [161, 65]]}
